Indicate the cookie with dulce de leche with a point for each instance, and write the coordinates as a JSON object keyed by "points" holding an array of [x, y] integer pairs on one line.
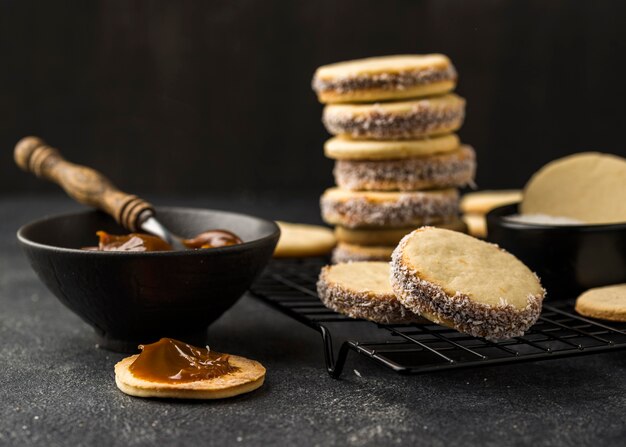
{"points": [[346, 148], [398, 120], [385, 78], [454, 168], [386, 237], [392, 209]]}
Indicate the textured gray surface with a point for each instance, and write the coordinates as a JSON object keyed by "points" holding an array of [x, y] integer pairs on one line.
{"points": [[57, 388]]}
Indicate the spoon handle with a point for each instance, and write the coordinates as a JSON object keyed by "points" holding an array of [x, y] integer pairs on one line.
{"points": [[83, 184]]}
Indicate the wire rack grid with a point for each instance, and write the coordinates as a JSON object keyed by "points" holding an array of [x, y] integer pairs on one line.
{"points": [[289, 286]]}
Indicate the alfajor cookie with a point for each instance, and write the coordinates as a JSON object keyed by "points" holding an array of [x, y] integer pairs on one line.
{"points": [[605, 303], [389, 237], [301, 240], [396, 120], [353, 209], [346, 148], [362, 290], [465, 283], [456, 168], [384, 78], [350, 252], [589, 187]]}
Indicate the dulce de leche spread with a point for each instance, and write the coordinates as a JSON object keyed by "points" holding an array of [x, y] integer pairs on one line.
{"points": [[145, 242], [213, 239], [172, 361], [131, 242]]}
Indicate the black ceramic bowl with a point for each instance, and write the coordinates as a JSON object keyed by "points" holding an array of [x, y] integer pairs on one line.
{"points": [[569, 259], [132, 298]]}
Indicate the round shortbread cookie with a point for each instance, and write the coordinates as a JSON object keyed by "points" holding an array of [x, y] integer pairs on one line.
{"points": [[362, 290], [383, 78], [589, 187], [476, 224], [455, 168], [249, 377], [465, 283], [396, 120], [345, 148], [606, 303], [481, 202], [386, 236], [392, 209], [302, 240], [349, 253]]}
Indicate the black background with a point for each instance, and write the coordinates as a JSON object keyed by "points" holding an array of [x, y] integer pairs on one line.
{"points": [[214, 96]]}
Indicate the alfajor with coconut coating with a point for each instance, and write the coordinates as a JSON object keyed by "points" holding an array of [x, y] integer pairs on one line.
{"points": [[392, 209], [455, 168], [385, 78], [362, 290], [464, 283], [398, 120]]}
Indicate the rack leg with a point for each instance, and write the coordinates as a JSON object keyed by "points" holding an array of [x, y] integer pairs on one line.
{"points": [[333, 366]]}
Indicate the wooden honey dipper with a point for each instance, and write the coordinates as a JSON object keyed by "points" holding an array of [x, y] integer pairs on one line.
{"points": [[90, 187]]}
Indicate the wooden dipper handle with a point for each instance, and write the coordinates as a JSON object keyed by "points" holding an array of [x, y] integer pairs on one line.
{"points": [[83, 184]]}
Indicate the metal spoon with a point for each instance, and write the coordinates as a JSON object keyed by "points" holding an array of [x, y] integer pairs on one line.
{"points": [[89, 187]]}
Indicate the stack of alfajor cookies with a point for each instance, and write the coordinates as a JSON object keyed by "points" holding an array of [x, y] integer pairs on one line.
{"points": [[398, 163]]}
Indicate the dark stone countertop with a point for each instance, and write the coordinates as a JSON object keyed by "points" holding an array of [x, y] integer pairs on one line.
{"points": [[57, 388]]}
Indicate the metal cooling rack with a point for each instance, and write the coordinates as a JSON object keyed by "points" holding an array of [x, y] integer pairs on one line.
{"points": [[289, 286]]}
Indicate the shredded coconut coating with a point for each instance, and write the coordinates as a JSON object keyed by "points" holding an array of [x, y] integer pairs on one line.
{"points": [[459, 311], [436, 171], [385, 309], [423, 120], [415, 208], [385, 81], [342, 254]]}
